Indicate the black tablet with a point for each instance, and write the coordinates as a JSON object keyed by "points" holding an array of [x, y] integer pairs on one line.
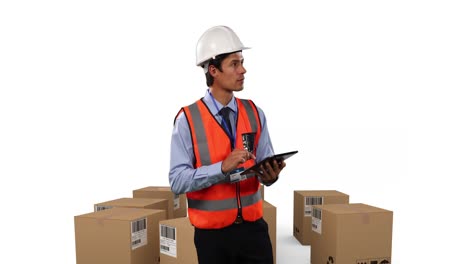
{"points": [[277, 157]]}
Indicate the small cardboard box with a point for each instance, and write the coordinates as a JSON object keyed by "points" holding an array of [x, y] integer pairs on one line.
{"points": [[145, 203], [176, 241], [351, 233], [303, 201], [118, 236], [176, 238], [177, 203]]}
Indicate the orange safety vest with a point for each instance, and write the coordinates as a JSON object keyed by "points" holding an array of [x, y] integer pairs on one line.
{"points": [[218, 205]]}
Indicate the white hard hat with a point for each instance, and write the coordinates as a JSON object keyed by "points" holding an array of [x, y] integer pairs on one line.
{"points": [[217, 40]]}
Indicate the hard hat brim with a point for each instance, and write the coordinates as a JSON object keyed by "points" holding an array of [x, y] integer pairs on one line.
{"points": [[204, 60]]}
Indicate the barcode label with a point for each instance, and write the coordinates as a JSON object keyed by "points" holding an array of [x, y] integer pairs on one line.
{"points": [[167, 231], [176, 201], [164, 248], [317, 220], [314, 200], [138, 225], [101, 207], [317, 213], [139, 233], [309, 201], [167, 240]]}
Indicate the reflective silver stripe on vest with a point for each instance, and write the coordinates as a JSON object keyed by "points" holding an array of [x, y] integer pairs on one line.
{"points": [[220, 205], [250, 114], [200, 135]]}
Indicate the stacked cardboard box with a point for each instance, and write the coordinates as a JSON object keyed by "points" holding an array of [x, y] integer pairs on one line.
{"points": [[303, 202], [118, 236], [103, 236], [351, 233], [177, 204], [176, 238], [339, 232]]}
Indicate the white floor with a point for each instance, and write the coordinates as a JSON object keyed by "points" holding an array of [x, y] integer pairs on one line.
{"points": [[288, 249]]}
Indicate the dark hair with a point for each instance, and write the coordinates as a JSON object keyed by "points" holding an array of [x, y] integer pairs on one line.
{"points": [[217, 63]]}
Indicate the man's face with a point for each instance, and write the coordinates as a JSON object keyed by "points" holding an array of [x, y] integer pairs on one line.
{"points": [[232, 76]]}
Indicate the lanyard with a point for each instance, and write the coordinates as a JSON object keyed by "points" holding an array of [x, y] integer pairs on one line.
{"points": [[224, 124]]}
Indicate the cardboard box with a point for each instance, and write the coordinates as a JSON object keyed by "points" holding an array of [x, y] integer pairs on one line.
{"points": [[351, 233], [145, 203], [269, 214], [303, 201], [177, 203], [176, 242], [176, 239], [118, 236]]}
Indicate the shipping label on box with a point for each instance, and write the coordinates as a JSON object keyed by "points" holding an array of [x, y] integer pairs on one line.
{"points": [[167, 239], [139, 233], [317, 220], [309, 201]]}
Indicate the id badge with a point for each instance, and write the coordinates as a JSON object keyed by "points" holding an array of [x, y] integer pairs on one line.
{"points": [[235, 175]]}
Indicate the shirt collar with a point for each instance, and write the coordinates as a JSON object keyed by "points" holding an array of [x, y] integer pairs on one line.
{"points": [[209, 102]]}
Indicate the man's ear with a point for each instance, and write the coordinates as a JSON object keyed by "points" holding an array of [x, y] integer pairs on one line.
{"points": [[213, 70]]}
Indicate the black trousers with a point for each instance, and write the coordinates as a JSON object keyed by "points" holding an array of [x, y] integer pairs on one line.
{"points": [[246, 243]]}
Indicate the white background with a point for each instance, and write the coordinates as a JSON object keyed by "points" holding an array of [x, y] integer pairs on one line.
{"points": [[371, 93]]}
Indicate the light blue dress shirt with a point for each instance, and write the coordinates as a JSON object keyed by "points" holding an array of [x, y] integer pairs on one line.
{"points": [[183, 177]]}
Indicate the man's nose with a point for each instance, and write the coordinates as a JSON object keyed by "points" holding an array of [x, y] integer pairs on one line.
{"points": [[242, 69]]}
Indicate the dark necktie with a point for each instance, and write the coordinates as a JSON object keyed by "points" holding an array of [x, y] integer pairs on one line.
{"points": [[225, 114]]}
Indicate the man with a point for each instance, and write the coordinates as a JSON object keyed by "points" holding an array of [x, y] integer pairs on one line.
{"points": [[208, 154]]}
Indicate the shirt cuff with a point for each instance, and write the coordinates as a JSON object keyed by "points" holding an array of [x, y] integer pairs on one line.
{"points": [[215, 172]]}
